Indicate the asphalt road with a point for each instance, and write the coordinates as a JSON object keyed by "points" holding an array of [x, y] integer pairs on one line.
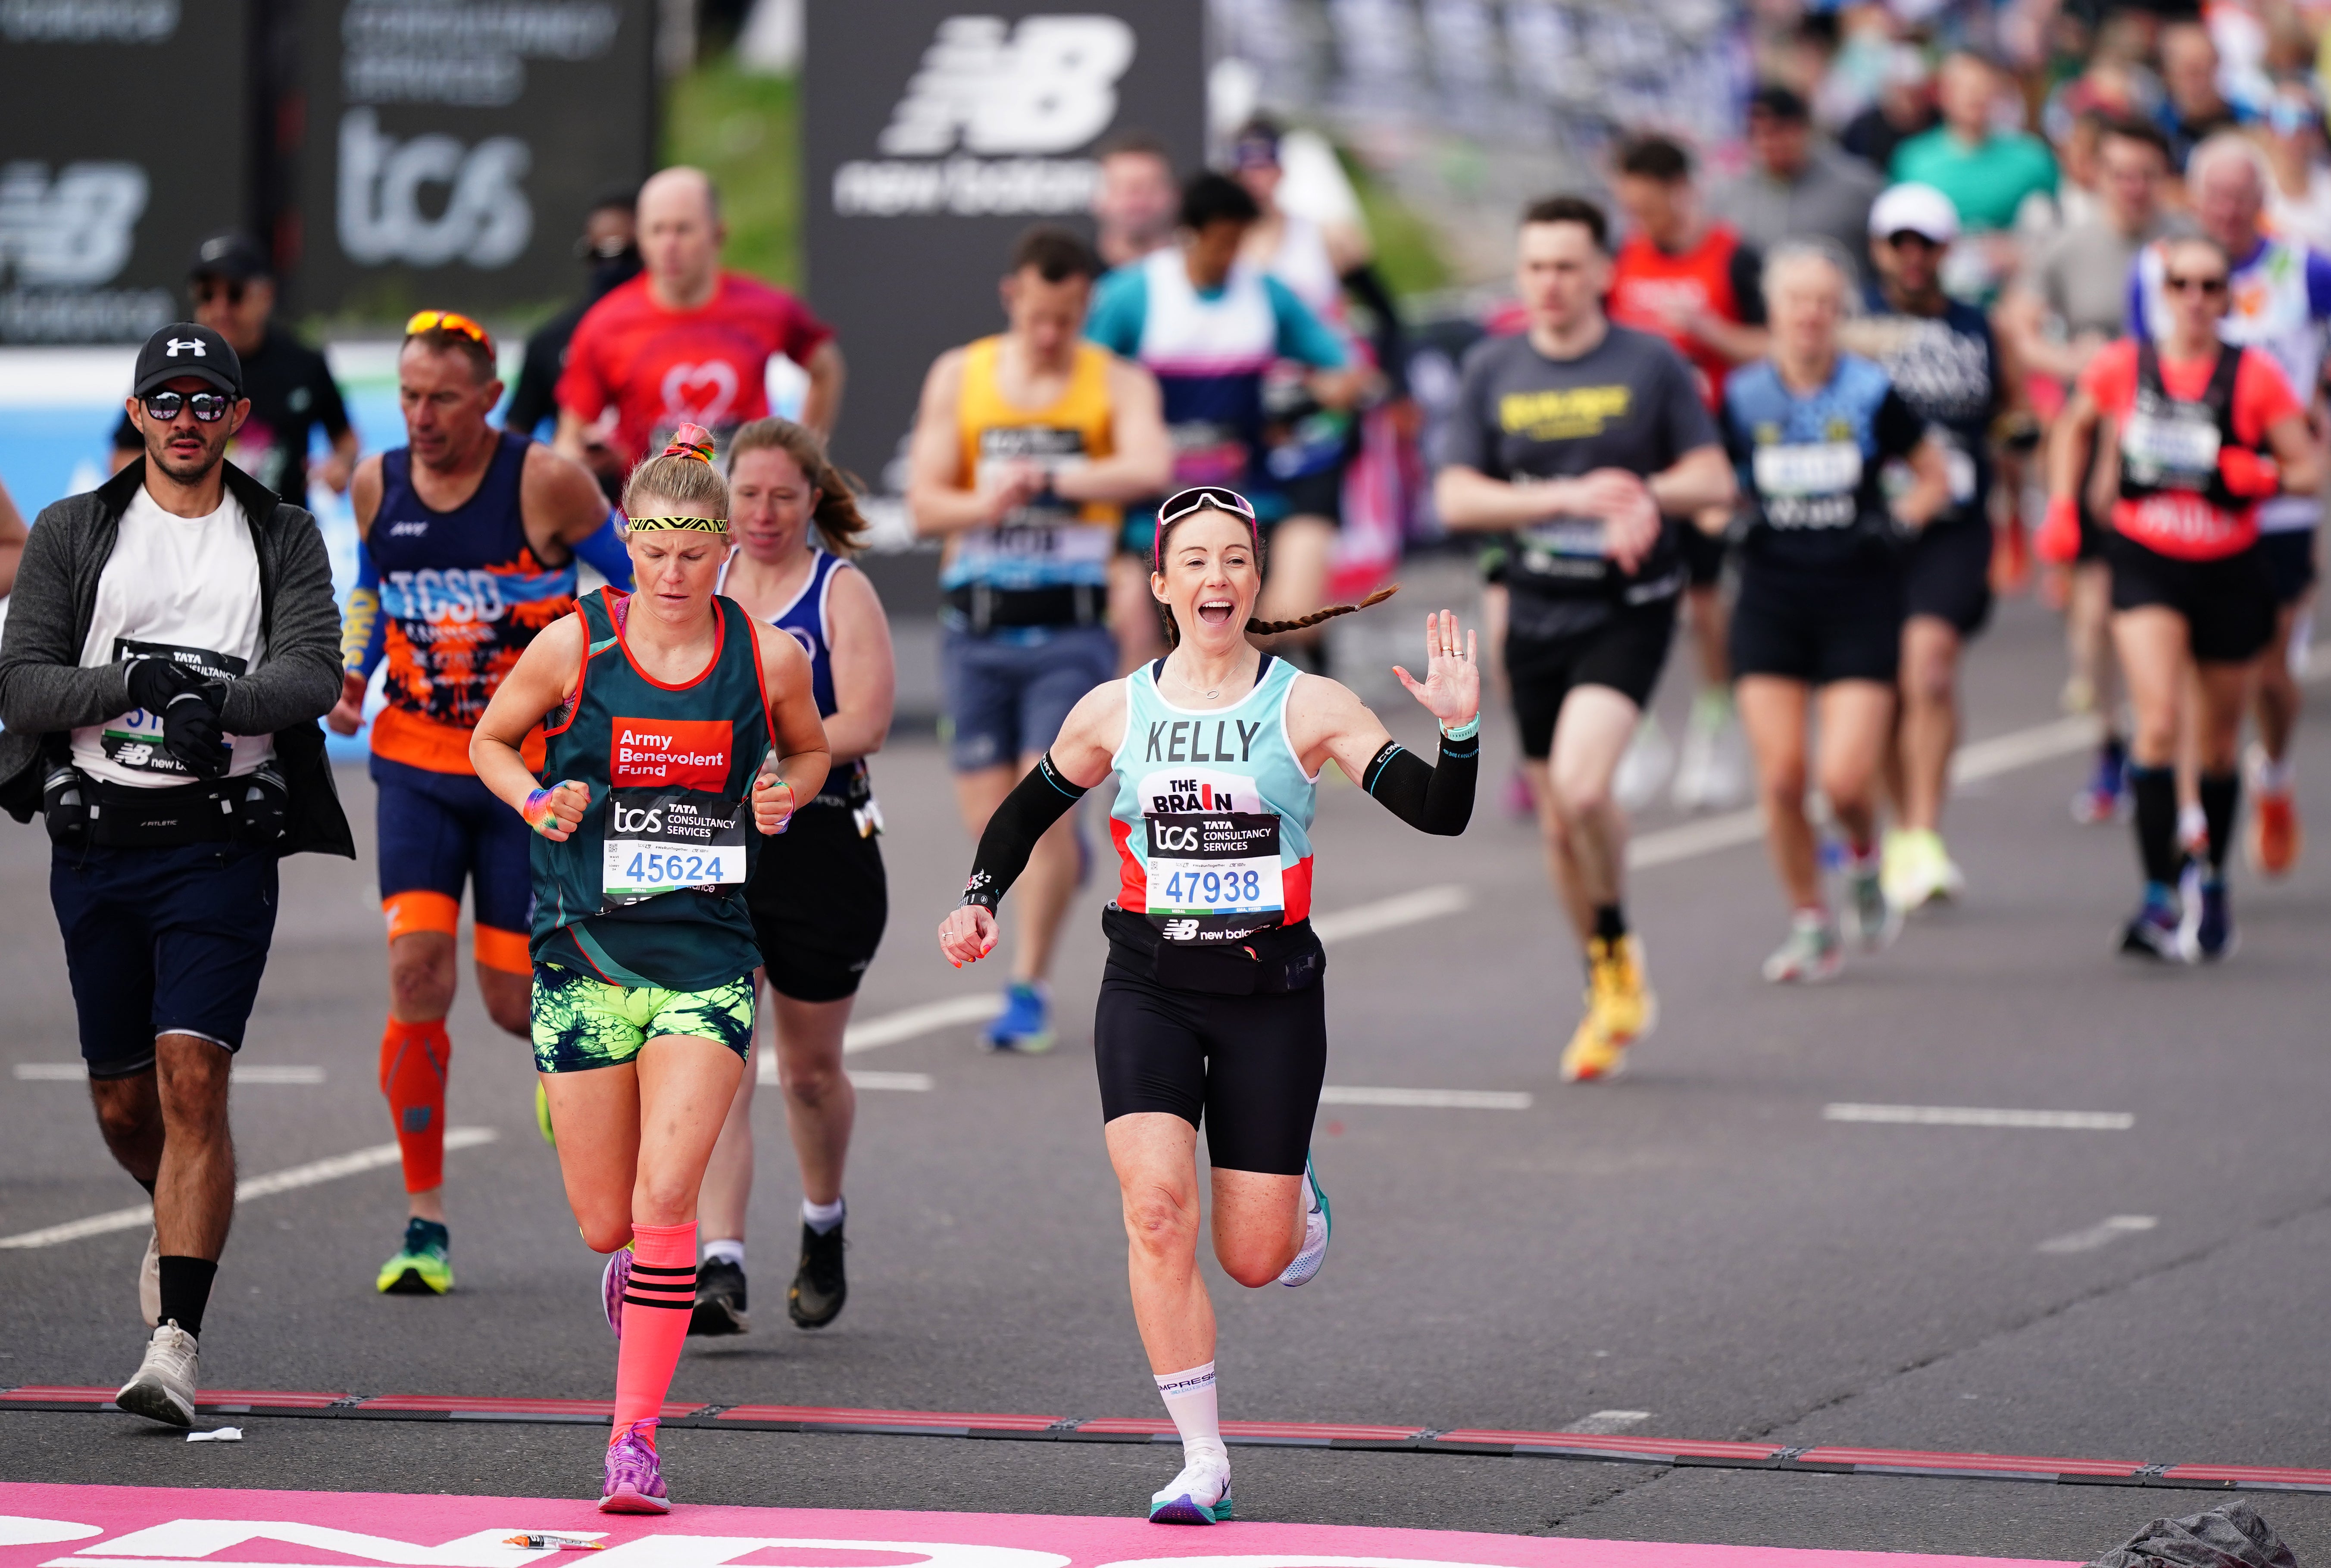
{"points": [[1695, 1241]]}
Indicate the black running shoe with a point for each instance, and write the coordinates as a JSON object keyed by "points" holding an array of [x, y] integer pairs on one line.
{"points": [[720, 1298], [819, 1290]]}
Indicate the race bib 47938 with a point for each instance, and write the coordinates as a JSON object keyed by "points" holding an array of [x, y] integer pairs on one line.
{"points": [[1214, 878]]}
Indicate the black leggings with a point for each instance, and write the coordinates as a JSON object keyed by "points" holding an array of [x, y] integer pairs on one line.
{"points": [[1246, 1068]]}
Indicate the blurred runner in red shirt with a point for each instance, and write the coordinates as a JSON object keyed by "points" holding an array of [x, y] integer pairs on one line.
{"points": [[686, 343], [1695, 283]]}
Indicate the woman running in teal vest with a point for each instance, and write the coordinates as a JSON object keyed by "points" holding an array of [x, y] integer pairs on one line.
{"points": [[667, 714], [1211, 1007]]}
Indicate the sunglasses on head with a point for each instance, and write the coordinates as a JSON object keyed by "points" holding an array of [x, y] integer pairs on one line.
{"points": [[1184, 503], [2177, 285], [449, 321], [209, 407]]}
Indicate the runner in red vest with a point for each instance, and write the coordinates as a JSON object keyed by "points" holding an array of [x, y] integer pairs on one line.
{"points": [[1694, 282]]}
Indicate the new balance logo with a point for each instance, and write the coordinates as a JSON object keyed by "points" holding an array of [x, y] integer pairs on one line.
{"points": [[193, 346], [1048, 87], [1181, 930]]}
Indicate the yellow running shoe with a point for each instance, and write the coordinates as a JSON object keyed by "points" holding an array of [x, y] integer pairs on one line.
{"points": [[542, 1114], [1620, 1011], [420, 1267]]}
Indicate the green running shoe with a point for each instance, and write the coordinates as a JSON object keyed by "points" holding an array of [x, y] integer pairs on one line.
{"points": [[420, 1269]]}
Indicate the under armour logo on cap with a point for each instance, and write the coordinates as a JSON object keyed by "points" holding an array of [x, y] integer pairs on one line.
{"points": [[195, 345], [184, 350]]}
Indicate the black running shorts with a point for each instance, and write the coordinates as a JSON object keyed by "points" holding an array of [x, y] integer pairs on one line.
{"points": [[1246, 1069], [2289, 560], [1625, 653], [1947, 574], [819, 902], [1703, 556], [2228, 603], [1820, 625]]}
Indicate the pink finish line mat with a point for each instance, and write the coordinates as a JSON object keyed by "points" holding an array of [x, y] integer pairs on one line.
{"points": [[75, 1526]]}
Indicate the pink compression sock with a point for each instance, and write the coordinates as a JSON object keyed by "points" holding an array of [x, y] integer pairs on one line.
{"points": [[657, 1306]]}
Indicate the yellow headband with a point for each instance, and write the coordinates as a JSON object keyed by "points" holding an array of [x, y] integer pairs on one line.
{"points": [[693, 525]]}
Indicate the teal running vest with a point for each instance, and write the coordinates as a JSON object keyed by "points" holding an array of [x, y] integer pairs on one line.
{"points": [[1212, 815], [650, 889]]}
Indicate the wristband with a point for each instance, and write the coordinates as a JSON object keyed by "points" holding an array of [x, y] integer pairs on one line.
{"points": [[792, 801], [1465, 731], [536, 810]]}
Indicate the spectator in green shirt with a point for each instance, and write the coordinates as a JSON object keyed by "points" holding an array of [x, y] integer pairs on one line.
{"points": [[1985, 171]]}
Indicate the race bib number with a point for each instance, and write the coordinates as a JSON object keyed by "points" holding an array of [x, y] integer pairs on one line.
{"points": [[660, 840], [1214, 877], [2169, 447], [1808, 467], [133, 740]]}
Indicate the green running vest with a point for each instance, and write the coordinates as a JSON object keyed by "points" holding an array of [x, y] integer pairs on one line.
{"points": [[650, 889]]}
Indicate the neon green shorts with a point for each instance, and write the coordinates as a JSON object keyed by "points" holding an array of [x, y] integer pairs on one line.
{"points": [[581, 1023]]}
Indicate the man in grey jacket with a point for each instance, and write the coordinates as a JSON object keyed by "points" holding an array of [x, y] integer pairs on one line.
{"points": [[170, 644], [1795, 185]]}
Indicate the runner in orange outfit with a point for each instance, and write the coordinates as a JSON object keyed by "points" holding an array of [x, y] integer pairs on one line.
{"points": [[470, 540]]}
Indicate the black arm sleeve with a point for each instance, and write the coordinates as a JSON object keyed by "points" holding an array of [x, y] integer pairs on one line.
{"points": [[1390, 339], [1035, 803], [1435, 800]]}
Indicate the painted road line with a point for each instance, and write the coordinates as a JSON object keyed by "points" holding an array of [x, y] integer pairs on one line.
{"points": [[2097, 1235], [255, 1073], [1982, 1116], [912, 1022], [765, 1074], [1605, 1422], [1461, 1099], [1391, 914], [267, 1186]]}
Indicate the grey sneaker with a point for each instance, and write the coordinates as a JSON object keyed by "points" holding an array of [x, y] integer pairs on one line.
{"points": [[1812, 953], [1871, 919], [149, 1282], [164, 1389]]}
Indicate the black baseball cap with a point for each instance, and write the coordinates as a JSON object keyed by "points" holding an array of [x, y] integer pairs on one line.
{"points": [[235, 257], [1784, 104], [183, 349]]}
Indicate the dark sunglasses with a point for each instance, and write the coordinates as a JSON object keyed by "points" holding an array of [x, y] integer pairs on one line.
{"points": [[1902, 237], [2177, 285], [210, 288], [1183, 503], [209, 407]]}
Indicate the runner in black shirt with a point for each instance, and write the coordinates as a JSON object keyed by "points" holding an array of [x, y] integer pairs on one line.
{"points": [[290, 387], [1578, 438]]}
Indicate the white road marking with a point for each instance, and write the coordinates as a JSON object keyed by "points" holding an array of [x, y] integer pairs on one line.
{"points": [[1391, 914], [913, 1082], [1463, 1100], [257, 1072], [1982, 1116], [1603, 1423], [2095, 1236], [298, 1176], [910, 1022]]}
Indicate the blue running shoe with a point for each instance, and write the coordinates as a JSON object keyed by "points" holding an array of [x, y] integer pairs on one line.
{"points": [[2213, 929], [2157, 931], [1200, 1495], [1025, 1024], [2105, 798], [1319, 1225]]}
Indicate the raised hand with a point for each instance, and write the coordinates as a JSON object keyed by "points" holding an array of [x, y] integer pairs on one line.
{"points": [[1452, 688]]}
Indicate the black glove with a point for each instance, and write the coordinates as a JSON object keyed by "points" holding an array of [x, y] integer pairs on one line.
{"points": [[188, 707]]}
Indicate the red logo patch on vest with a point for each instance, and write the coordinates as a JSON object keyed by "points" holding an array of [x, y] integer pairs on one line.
{"points": [[689, 752]]}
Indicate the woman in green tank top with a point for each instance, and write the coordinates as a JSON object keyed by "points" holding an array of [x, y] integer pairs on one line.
{"points": [[680, 738]]}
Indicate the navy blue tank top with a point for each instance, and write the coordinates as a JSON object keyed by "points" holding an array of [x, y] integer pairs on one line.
{"points": [[804, 619]]}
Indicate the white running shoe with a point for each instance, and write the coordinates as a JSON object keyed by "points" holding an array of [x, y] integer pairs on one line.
{"points": [[164, 1389], [1644, 767], [1812, 955], [149, 1282], [1200, 1495], [1319, 1224], [1712, 774]]}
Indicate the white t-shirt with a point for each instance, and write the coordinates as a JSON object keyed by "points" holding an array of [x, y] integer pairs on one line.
{"points": [[182, 588]]}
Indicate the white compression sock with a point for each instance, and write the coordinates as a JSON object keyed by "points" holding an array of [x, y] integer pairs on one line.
{"points": [[823, 1217], [1189, 1399], [724, 1252]]}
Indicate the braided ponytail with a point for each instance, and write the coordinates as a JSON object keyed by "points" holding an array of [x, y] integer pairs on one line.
{"points": [[1273, 628]]}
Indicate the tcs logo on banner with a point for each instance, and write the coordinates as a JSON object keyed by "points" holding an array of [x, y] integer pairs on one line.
{"points": [[485, 220]]}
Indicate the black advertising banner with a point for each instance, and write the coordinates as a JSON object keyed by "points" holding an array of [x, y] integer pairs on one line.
{"points": [[934, 131], [125, 139], [450, 148]]}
